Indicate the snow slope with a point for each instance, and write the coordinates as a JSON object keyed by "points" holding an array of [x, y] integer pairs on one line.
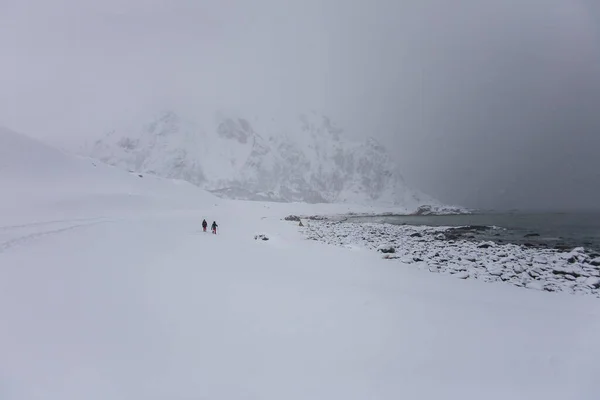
{"points": [[137, 303], [42, 180], [303, 159]]}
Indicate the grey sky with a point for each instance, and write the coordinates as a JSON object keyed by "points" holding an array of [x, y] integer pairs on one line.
{"points": [[486, 103]]}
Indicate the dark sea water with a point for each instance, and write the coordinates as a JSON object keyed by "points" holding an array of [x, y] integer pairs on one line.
{"points": [[552, 230]]}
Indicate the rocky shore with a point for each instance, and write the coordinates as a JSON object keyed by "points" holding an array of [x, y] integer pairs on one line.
{"points": [[450, 250]]}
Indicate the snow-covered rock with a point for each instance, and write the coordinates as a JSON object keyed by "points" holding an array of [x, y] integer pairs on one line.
{"points": [[593, 282], [540, 260], [306, 159], [386, 248], [495, 270], [518, 268]]}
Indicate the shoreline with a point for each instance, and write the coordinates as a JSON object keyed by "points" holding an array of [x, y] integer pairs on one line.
{"points": [[428, 248], [474, 230]]}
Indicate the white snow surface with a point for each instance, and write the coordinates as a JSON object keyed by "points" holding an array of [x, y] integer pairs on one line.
{"points": [[305, 159], [109, 290]]}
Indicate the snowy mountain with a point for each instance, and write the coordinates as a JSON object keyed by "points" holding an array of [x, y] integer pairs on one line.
{"points": [[305, 159]]}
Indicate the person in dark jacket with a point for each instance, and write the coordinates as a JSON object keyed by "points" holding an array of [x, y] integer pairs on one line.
{"points": [[204, 225], [214, 227]]}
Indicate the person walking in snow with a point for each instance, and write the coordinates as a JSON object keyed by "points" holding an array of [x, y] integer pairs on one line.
{"points": [[204, 225], [214, 227]]}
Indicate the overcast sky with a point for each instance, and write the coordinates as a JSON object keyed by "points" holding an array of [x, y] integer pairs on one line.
{"points": [[484, 103]]}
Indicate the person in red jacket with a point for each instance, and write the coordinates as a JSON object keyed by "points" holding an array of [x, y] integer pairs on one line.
{"points": [[204, 225]]}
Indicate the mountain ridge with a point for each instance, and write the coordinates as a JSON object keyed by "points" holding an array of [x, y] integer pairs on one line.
{"points": [[306, 159]]}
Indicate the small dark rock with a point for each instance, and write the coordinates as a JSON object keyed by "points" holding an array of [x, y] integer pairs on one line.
{"points": [[261, 237], [292, 218], [140, 175], [417, 259], [416, 234], [562, 246], [484, 246]]}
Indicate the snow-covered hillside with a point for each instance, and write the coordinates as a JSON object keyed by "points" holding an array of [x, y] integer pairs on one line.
{"points": [[306, 159], [35, 176], [109, 290]]}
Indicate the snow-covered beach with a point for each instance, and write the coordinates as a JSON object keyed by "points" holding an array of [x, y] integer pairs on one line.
{"points": [[430, 248], [110, 290]]}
